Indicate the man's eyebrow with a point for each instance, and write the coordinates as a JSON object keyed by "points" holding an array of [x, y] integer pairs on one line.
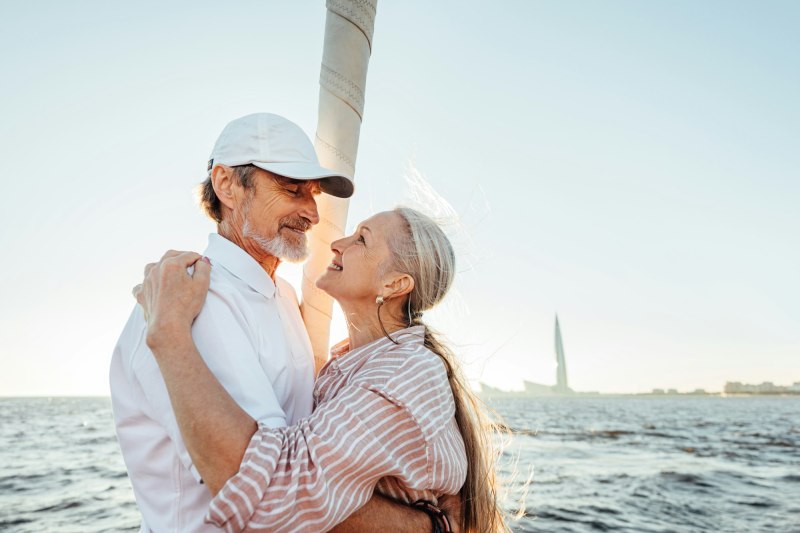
{"points": [[314, 185], [289, 181], [366, 229]]}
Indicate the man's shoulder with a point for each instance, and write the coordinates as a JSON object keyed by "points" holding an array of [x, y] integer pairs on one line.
{"points": [[225, 291], [228, 312], [222, 279], [133, 334]]}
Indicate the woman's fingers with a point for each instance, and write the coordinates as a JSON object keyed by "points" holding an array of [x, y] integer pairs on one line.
{"points": [[169, 290], [170, 253], [182, 258], [172, 259], [173, 292], [177, 263], [141, 299], [202, 272]]}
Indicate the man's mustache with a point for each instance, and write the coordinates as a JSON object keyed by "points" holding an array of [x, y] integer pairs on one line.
{"points": [[297, 223]]}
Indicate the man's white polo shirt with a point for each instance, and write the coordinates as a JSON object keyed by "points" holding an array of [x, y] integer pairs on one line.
{"points": [[251, 335]]}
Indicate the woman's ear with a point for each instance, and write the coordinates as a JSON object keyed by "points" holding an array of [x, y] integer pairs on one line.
{"points": [[222, 181], [399, 285]]}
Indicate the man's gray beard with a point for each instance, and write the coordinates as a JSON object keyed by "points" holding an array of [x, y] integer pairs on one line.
{"points": [[278, 246]]}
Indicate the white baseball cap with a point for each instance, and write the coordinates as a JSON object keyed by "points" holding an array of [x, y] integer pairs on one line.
{"points": [[276, 145]]}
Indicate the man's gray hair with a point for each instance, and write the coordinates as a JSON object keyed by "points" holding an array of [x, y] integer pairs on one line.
{"points": [[208, 198]]}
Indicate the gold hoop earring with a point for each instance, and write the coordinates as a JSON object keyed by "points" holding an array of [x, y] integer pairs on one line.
{"points": [[379, 301]]}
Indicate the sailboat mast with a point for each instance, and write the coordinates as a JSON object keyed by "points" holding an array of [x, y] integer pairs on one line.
{"points": [[349, 26]]}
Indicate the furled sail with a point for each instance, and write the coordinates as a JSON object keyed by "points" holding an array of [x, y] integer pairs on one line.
{"points": [[349, 28]]}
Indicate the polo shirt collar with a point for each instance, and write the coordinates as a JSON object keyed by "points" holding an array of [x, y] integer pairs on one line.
{"points": [[229, 256]]}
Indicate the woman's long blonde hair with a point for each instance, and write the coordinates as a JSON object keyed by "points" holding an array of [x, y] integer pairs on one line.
{"points": [[424, 252]]}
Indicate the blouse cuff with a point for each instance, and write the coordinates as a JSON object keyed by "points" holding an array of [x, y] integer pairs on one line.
{"points": [[234, 505]]}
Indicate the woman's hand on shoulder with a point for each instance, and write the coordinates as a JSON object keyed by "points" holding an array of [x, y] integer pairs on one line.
{"points": [[172, 295]]}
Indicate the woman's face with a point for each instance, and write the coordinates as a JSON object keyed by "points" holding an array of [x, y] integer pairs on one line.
{"points": [[354, 275]]}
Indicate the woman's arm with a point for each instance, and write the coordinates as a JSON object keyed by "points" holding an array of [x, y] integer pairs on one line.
{"points": [[215, 429], [313, 475], [216, 432]]}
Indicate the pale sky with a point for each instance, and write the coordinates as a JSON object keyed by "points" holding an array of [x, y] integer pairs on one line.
{"points": [[631, 166]]}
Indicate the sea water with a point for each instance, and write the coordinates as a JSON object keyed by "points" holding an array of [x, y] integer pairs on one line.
{"points": [[572, 464], [655, 463]]}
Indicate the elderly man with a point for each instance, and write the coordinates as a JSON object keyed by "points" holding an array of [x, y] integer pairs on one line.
{"points": [[261, 188]]}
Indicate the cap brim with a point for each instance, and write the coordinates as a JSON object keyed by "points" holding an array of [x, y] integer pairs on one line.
{"points": [[333, 183]]}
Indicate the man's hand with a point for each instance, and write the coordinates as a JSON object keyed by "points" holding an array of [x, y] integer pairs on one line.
{"points": [[170, 296], [383, 514], [451, 504]]}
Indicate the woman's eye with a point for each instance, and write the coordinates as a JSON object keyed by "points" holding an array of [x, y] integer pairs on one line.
{"points": [[361, 239], [292, 190]]}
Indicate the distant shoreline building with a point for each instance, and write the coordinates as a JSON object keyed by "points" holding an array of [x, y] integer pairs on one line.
{"points": [[561, 387], [561, 361], [767, 387]]}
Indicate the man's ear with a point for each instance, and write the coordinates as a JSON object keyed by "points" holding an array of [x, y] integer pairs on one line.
{"points": [[398, 285], [223, 182]]}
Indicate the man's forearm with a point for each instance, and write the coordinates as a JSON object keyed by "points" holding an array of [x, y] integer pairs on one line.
{"points": [[383, 514], [215, 430]]}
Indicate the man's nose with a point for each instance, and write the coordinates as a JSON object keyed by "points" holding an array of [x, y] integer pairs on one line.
{"points": [[309, 209]]}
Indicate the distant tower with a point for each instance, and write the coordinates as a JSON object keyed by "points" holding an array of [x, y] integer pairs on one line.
{"points": [[561, 372]]}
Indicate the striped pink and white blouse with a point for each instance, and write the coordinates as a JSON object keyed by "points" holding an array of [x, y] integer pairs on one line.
{"points": [[383, 420]]}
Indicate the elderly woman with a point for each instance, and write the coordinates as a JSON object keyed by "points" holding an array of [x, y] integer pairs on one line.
{"points": [[392, 410]]}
